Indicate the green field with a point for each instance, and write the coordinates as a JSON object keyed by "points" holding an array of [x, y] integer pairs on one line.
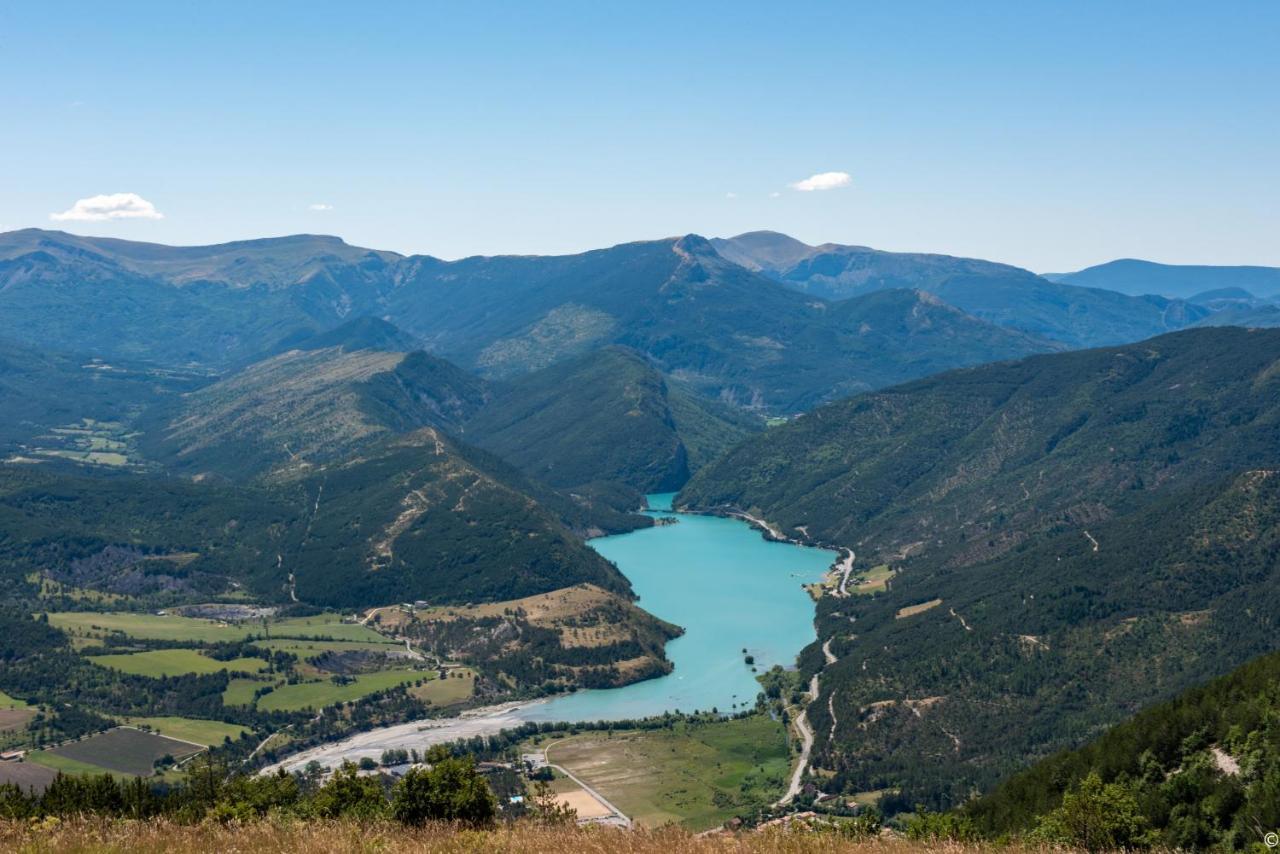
{"points": [[175, 662], [446, 692], [698, 775], [327, 625], [307, 648], [151, 626], [7, 702], [175, 628], [66, 765], [874, 580], [240, 691], [209, 733], [317, 695]]}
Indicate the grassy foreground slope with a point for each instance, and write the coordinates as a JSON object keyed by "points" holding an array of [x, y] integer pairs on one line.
{"points": [[606, 416], [1095, 531]]}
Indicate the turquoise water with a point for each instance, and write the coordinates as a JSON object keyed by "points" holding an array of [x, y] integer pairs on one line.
{"points": [[728, 588]]}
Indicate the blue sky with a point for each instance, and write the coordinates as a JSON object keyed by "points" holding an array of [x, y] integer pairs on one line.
{"points": [[1052, 135]]}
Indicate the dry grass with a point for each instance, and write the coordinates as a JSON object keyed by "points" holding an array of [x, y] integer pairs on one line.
{"points": [[564, 611], [324, 837], [912, 610]]}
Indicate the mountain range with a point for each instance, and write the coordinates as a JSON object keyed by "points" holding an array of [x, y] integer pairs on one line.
{"points": [[760, 320], [1133, 276]]}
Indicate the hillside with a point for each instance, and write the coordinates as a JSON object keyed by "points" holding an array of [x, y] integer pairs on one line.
{"points": [[605, 416], [725, 331], [1250, 317], [1132, 276], [415, 517], [311, 405], [986, 491], [44, 391], [1001, 294], [1201, 767]]}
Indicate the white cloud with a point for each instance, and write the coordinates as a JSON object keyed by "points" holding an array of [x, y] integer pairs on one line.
{"points": [[111, 206], [774, 195], [731, 195], [823, 181], [320, 206]]}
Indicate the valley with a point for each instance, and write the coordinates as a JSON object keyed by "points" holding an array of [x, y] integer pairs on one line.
{"points": [[727, 530]]}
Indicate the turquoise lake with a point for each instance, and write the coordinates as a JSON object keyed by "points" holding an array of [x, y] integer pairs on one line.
{"points": [[729, 588]]}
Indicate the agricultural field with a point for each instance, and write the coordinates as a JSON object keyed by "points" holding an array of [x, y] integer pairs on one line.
{"points": [[172, 627], [874, 580], [240, 691], [697, 775], [305, 649], [209, 733], [26, 775], [14, 714], [67, 765], [316, 695], [123, 750], [175, 662], [330, 626], [912, 610], [150, 626], [101, 443], [7, 702], [457, 688]]}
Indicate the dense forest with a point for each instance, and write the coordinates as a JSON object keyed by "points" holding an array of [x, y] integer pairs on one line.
{"points": [[607, 416], [1199, 771]]}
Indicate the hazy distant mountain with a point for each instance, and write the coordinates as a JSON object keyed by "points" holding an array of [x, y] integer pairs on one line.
{"points": [[721, 329], [833, 271], [1249, 316], [213, 306], [999, 293], [1131, 276], [272, 262]]}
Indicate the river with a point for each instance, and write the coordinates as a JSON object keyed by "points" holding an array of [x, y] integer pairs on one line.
{"points": [[718, 578]]}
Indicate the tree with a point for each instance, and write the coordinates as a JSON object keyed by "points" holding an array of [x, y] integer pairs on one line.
{"points": [[549, 809], [347, 794], [1095, 817], [450, 790]]}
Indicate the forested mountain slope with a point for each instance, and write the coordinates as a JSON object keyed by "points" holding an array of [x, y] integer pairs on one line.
{"points": [[1203, 769], [42, 390], [415, 516], [1036, 513], [306, 406], [606, 416]]}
